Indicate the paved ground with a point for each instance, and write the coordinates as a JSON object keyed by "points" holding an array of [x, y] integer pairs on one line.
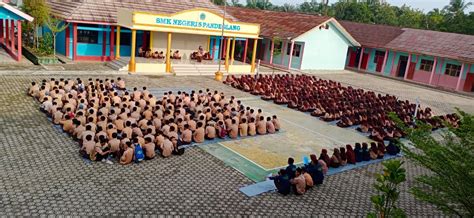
{"points": [[42, 173]]}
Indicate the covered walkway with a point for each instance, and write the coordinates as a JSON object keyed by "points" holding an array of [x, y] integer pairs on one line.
{"points": [[10, 29]]}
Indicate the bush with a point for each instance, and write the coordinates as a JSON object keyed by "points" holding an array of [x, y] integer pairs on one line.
{"points": [[45, 46]]}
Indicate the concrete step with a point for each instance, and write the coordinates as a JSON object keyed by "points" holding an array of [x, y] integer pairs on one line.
{"points": [[118, 65]]}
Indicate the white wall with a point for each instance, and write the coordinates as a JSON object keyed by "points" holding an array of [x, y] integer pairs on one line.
{"points": [[185, 43], [325, 49]]}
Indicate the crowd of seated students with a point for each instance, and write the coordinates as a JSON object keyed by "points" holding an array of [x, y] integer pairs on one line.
{"points": [[347, 106], [200, 55], [110, 122], [300, 179], [148, 53]]}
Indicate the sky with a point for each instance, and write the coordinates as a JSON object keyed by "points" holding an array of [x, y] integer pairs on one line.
{"points": [[424, 5]]}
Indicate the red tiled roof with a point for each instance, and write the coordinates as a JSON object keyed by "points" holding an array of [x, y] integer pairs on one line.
{"points": [[372, 35], [441, 44], [277, 23], [106, 10]]}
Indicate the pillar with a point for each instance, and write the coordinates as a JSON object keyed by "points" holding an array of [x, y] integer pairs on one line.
{"points": [[19, 54], [433, 70], [12, 36], [131, 65], [112, 42], [67, 38], [1, 30], [233, 51], [245, 50], [209, 43], [361, 55], [104, 44], [291, 54], [74, 41], [227, 51], [168, 54], [283, 51], [458, 84], [272, 50], [117, 44], [384, 61], [7, 33], [224, 43], [151, 41], [408, 67], [254, 55]]}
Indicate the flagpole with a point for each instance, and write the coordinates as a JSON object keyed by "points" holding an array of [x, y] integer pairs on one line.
{"points": [[219, 74]]}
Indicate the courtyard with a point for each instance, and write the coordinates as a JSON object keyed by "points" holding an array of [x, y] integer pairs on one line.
{"points": [[43, 174]]}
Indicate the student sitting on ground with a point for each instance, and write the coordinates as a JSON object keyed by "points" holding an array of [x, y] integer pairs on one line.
{"points": [[335, 160], [127, 155], [373, 152], [315, 169], [307, 178], [299, 182], [359, 156], [291, 168], [282, 182], [351, 159], [392, 148], [365, 152]]}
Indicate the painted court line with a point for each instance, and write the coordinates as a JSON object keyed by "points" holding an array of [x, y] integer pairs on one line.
{"points": [[312, 131], [258, 165]]}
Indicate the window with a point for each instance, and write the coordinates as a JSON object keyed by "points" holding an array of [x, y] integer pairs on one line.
{"points": [[125, 38], [87, 36], [296, 50], [453, 70], [276, 46], [426, 65], [379, 55]]}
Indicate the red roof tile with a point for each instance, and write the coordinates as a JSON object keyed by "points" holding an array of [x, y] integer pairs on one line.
{"points": [[441, 44], [372, 35], [106, 10], [276, 23]]}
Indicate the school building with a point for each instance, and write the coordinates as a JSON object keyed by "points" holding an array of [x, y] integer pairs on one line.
{"points": [[10, 29], [433, 58]]}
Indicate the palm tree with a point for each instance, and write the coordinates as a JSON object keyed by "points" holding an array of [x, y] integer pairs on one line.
{"points": [[457, 7]]}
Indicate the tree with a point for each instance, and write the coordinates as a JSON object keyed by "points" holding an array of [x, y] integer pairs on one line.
{"points": [[56, 26], [450, 186], [385, 14], [408, 17], [310, 7], [236, 3], [434, 20], [260, 4], [40, 12], [218, 2], [457, 7], [388, 184]]}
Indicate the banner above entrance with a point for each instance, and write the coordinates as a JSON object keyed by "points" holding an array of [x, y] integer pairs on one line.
{"points": [[194, 21]]}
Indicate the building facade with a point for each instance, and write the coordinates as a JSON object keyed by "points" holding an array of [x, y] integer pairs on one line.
{"points": [[432, 58]]}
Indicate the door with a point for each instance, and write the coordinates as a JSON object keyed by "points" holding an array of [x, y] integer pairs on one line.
{"points": [[469, 83], [402, 66], [378, 67], [365, 59], [352, 57], [411, 70]]}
